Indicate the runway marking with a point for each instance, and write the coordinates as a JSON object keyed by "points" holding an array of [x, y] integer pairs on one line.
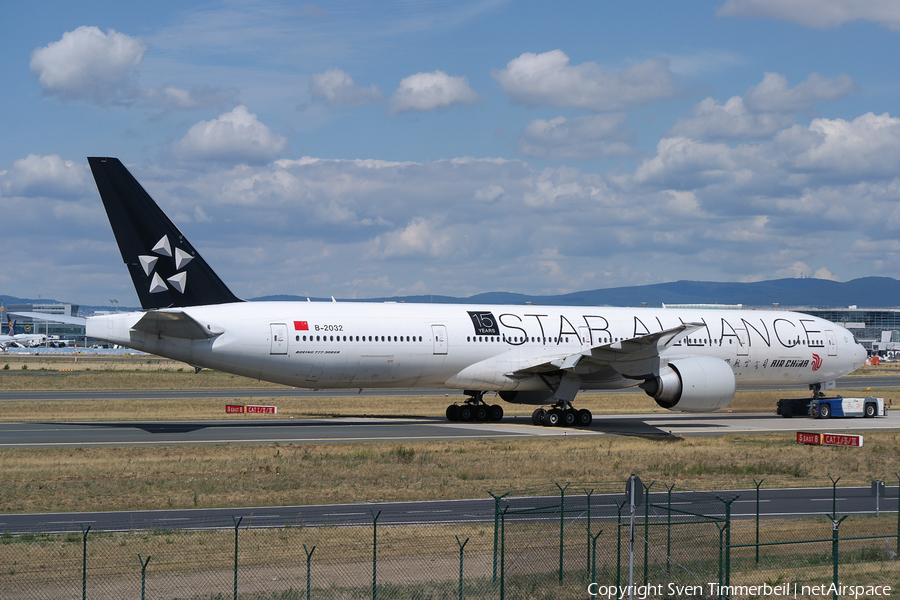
{"points": [[233, 442]]}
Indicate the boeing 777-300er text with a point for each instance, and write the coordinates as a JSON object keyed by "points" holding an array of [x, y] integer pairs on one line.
{"points": [[688, 360]]}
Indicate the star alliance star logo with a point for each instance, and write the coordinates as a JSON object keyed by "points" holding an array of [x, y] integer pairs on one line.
{"points": [[178, 282]]}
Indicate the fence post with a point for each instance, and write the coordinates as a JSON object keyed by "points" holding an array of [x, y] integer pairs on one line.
{"points": [[721, 529], [758, 483], [835, 525], [503, 553], [593, 553], [237, 524], [461, 546], [646, 526], [144, 564], [496, 527], [84, 534], [727, 531], [309, 554], [619, 508], [588, 494], [669, 526], [834, 494], [375, 553], [562, 524]]}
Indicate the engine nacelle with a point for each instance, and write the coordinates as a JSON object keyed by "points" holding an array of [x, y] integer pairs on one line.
{"points": [[694, 384], [538, 397]]}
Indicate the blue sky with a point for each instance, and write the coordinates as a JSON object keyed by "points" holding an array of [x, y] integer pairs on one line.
{"points": [[362, 149]]}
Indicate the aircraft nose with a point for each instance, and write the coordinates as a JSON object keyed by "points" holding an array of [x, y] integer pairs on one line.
{"points": [[860, 354]]}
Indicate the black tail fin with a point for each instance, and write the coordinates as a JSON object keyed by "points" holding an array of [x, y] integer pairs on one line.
{"points": [[165, 268]]}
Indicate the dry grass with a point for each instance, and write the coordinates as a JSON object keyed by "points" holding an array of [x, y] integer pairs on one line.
{"points": [[77, 479], [83, 479]]}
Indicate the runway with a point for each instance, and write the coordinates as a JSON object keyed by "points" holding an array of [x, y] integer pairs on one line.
{"points": [[774, 503], [348, 430]]}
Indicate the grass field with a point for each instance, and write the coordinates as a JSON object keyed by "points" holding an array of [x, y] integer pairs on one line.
{"points": [[128, 478], [83, 479]]}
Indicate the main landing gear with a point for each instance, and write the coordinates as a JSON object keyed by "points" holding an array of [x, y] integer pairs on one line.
{"points": [[474, 409], [563, 414]]}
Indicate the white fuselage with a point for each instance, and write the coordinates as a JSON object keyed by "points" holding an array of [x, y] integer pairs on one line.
{"points": [[368, 345]]}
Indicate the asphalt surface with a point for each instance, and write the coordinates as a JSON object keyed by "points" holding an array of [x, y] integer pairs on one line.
{"points": [[344, 430], [773, 503]]}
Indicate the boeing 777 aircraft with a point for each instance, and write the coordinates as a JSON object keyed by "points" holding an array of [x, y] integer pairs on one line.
{"points": [[687, 360]]}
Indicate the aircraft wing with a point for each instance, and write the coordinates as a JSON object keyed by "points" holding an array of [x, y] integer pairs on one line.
{"points": [[36, 316], [637, 356]]}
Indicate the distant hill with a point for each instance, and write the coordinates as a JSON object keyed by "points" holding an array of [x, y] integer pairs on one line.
{"points": [[873, 292], [869, 292]]}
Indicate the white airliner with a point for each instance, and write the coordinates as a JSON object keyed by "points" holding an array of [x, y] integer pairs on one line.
{"points": [[20, 340], [688, 360]]}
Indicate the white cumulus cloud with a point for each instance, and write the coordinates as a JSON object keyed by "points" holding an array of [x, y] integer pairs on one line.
{"points": [[712, 120], [336, 87], [548, 80], [764, 110], [35, 176], [586, 138], [237, 136], [87, 64], [821, 14], [774, 95], [428, 91]]}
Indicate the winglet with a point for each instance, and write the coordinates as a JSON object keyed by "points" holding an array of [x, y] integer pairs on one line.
{"points": [[164, 267]]}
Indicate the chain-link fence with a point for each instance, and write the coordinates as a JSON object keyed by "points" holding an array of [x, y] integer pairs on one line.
{"points": [[562, 541]]}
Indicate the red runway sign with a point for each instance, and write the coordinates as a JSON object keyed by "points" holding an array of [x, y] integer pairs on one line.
{"points": [[837, 439], [253, 409], [829, 439], [804, 437]]}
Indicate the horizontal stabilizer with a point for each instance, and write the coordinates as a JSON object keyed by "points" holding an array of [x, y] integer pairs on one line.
{"points": [[176, 325]]}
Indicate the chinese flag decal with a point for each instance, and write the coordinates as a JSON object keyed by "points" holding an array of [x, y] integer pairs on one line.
{"points": [[301, 326]]}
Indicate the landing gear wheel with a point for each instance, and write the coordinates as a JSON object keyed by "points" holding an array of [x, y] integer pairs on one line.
{"points": [[481, 413], [824, 411], [552, 418], [453, 412], [466, 413], [569, 418], [584, 418], [537, 417], [495, 413]]}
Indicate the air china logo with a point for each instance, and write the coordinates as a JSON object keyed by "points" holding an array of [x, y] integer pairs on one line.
{"points": [[816, 362]]}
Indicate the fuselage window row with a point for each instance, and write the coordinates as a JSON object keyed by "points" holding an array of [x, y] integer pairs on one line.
{"points": [[350, 338]]}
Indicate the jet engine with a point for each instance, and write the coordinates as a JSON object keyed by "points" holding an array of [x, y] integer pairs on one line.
{"points": [[537, 397], [693, 384]]}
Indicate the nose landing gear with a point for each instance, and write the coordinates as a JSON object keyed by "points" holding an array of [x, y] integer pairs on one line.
{"points": [[474, 408]]}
